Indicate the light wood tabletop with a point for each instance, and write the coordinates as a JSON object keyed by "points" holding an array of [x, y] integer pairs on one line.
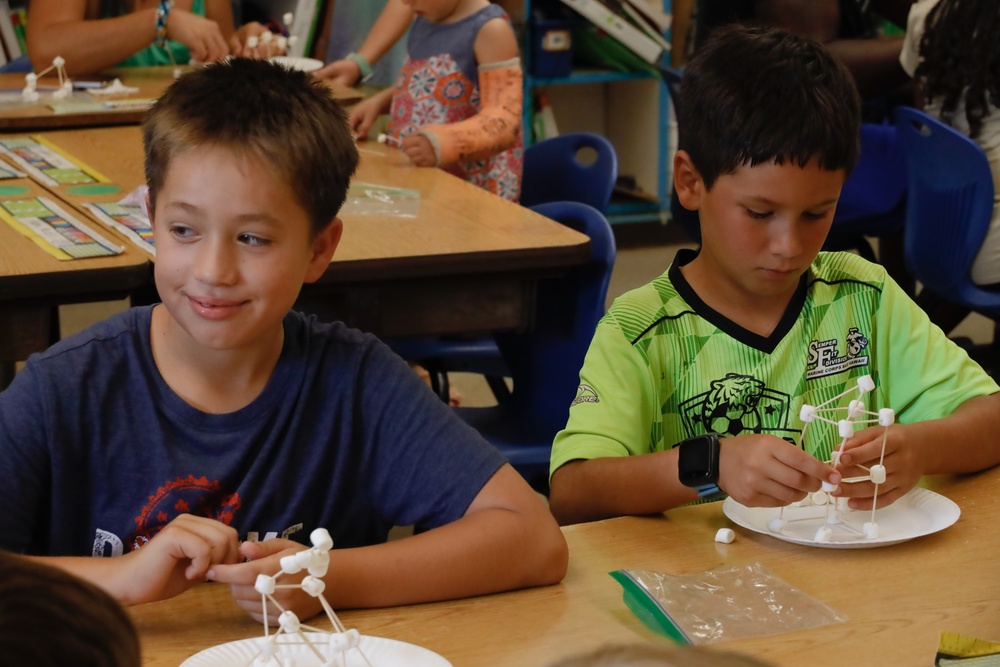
{"points": [[151, 82], [467, 261], [897, 599]]}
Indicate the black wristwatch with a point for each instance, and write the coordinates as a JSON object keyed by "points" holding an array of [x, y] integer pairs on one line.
{"points": [[698, 463]]}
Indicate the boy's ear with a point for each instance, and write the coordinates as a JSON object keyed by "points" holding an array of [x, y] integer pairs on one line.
{"points": [[687, 181], [323, 247]]}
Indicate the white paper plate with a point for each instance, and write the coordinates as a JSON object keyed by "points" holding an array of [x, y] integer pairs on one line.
{"points": [[919, 512], [379, 651], [304, 64]]}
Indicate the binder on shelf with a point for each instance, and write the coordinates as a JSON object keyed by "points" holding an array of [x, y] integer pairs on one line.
{"points": [[653, 11], [619, 28]]}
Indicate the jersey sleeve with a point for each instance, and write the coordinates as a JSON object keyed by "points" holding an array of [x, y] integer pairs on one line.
{"points": [[612, 414], [925, 375]]}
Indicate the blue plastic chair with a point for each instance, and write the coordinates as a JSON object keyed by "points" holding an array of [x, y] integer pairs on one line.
{"points": [[949, 208], [21, 64], [545, 362], [556, 170]]}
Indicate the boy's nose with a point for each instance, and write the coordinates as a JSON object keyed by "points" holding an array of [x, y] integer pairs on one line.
{"points": [[215, 264], [786, 241]]}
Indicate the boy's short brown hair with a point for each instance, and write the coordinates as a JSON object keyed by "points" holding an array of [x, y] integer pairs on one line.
{"points": [[757, 95], [49, 618], [261, 109]]}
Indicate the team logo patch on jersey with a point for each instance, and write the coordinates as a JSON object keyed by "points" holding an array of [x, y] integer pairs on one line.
{"points": [[737, 405], [585, 394], [825, 358]]}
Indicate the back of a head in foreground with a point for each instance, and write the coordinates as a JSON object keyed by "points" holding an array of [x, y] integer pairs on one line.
{"points": [[262, 110], [49, 618], [758, 95], [643, 655]]}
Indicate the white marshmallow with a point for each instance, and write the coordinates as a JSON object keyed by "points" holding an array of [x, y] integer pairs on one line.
{"points": [[865, 383], [823, 534], [776, 524], [313, 586], [725, 535], [886, 416], [289, 622], [845, 428], [265, 584], [871, 530], [877, 473], [320, 538]]}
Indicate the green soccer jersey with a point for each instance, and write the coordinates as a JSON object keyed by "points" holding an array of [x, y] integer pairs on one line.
{"points": [[664, 367]]}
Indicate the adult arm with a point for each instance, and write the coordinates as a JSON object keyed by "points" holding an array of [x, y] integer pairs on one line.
{"points": [[60, 28], [388, 28], [873, 62], [506, 540]]}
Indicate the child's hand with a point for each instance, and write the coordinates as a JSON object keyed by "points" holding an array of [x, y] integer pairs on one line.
{"points": [[419, 149], [176, 559], [903, 466], [345, 72], [264, 49], [362, 117], [265, 558], [766, 471], [201, 35]]}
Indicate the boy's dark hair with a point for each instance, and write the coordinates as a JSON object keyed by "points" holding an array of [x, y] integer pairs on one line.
{"points": [[959, 58], [50, 618], [755, 95], [260, 109]]}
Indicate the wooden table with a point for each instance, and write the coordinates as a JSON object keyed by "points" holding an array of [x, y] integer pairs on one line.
{"points": [[898, 599], [468, 262], [151, 82]]}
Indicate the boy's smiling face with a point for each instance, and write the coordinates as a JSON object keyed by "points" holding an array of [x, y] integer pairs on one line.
{"points": [[233, 248], [761, 228]]}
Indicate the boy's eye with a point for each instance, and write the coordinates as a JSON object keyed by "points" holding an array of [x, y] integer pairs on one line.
{"points": [[758, 215], [253, 240], [807, 215], [181, 231]]}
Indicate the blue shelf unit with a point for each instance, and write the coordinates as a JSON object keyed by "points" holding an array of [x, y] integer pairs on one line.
{"points": [[619, 212]]}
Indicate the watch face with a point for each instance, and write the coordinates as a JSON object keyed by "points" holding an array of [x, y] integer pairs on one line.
{"points": [[695, 464]]}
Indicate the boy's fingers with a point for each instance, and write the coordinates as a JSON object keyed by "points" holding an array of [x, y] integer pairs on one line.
{"points": [[809, 465]]}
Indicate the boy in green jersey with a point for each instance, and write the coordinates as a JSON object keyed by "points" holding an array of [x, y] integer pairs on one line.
{"points": [[694, 382]]}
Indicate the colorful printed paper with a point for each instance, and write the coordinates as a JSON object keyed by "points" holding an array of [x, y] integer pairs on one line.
{"points": [[54, 230]]}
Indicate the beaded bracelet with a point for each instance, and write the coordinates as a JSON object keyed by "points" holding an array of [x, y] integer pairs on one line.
{"points": [[161, 22]]}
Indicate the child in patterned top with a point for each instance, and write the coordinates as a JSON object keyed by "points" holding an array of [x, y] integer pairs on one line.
{"points": [[457, 101]]}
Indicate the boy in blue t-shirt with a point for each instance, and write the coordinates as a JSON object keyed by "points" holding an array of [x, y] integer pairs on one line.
{"points": [[695, 382], [168, 434]]}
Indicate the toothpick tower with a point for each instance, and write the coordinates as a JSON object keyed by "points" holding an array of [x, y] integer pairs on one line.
{"points": [[30, 91], [331, 648], [855, 415]]}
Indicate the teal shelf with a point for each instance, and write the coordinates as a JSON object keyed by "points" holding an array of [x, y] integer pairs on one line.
{"points": [[582, 76]]}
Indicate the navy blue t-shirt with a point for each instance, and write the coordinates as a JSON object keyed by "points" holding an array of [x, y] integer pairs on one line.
{"points": [[97, 453]]}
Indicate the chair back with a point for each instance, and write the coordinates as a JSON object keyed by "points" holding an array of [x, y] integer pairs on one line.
{"points": [[554, 171], [545, 362], [949, 207]]}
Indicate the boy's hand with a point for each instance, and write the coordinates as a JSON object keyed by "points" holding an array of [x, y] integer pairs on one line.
{"points": [[419, 149], [766, 471], [176, 559], [202, 36], [903, 466], [265, 558]]}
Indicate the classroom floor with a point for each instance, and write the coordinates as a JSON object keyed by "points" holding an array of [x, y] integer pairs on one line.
{"points": [[644, 251]]}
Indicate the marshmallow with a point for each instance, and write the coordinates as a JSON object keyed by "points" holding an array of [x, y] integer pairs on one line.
{"points": [[265, 584], [725, 535], [871, 530], [877, 473], [313, 586], [845, 428], [823, 534], [289, 622], [320, 538], [865, 383], [886, 416], [776, 524]]}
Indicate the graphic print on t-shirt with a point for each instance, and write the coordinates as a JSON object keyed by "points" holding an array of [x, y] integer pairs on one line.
{"points": [[190, 495], [738, 405]]}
